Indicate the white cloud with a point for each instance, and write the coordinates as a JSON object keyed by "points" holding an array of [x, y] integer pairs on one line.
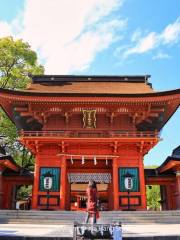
{"points": [[161, 55], [67, 34], [5, 29], [145, 44], [78, 54], [136, 35], [171, 33], [153, 40]]}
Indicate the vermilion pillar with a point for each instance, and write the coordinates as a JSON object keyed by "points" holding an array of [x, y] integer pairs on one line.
{"points": [[63, 185], [170, 197], [142, 185], [115, 184], [1, 189], [110, 199], [35, 184], [178, 190]]}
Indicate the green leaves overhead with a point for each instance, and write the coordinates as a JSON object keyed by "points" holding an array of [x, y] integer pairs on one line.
{"points": [[8, 133], [17, 62]]}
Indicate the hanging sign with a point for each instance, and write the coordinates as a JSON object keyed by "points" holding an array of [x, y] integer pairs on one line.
{"points": [[89, 118], [47, 183], [128, 182]]}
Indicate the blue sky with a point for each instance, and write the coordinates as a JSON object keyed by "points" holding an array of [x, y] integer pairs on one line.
{"points": [[113, 37]]}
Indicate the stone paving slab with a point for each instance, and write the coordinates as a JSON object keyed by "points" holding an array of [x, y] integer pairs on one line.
{"points": [[70, 238], [57, 232]]}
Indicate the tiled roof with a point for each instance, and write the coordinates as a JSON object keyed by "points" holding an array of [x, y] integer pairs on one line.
{"points": [[149, 172], [176, 152], [92, 87], [23, 172]]}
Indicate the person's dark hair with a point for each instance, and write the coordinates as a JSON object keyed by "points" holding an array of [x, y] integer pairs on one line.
{"points": [[94, 184]]}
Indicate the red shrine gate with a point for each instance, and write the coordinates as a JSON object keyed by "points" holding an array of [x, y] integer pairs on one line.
{"points": [[81, 127], [94, 156]]}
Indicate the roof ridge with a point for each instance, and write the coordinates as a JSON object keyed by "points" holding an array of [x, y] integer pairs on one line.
{"points": [[89, 78]]}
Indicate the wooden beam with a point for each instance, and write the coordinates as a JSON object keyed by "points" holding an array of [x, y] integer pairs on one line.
{"points": [[157, 110], [154, 114], [21, 109], [24, 114]]}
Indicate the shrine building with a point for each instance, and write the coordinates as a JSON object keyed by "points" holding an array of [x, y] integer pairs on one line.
{"points": [[11, 176], [83, 128]]}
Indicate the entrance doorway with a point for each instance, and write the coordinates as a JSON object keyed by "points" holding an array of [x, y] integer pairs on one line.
{"points": [[78, 185], [21, 197], [153, 194], [78, 196]]}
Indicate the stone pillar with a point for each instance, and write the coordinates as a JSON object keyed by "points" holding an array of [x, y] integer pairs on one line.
{"points": [[63, 185], [115, 184]]}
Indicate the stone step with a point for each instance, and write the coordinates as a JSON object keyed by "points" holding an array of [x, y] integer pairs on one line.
{"points": [[59, 217], [63, 221], [30, 212], [69, 213], [71, 238], [81, 217]]}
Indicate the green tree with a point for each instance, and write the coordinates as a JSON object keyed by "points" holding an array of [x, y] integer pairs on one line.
{"points": [[150, 166], [17, 63], [153, 197]]}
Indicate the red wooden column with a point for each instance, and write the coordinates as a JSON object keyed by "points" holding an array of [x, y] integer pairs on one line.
{"points": [[1, 187], [110, 198], [170, 197], [35, 184], [68, 193], [7, 195], [178, 190], [115, 183], [142, 184], [63, 185]]}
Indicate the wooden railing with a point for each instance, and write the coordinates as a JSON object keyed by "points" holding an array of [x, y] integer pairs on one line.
{"points": [[90, 134]]}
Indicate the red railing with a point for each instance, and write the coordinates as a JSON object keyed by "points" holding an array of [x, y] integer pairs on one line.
{"points": [[92, 134]]}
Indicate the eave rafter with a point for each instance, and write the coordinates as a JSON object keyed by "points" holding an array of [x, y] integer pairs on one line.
{"points": [[173, 165], [145, 146], [146, 114], [7, 107], [8, 164], [115, 145], [28, 114], [157, 105]]}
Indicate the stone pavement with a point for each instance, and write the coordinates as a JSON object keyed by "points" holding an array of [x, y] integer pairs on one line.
{"points": [[147, 231]]}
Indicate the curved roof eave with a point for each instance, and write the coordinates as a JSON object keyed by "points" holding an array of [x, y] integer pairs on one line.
{"points": [[161, 168], [56, 94]]}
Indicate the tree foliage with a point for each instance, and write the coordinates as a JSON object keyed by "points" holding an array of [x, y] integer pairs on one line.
{"points": [[153, 197], [17, 63]]}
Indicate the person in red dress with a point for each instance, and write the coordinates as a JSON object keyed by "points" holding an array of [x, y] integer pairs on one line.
{"points": [[92, 200]]}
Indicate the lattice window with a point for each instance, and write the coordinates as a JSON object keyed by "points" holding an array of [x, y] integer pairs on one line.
{"points": [[86, 177]]}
